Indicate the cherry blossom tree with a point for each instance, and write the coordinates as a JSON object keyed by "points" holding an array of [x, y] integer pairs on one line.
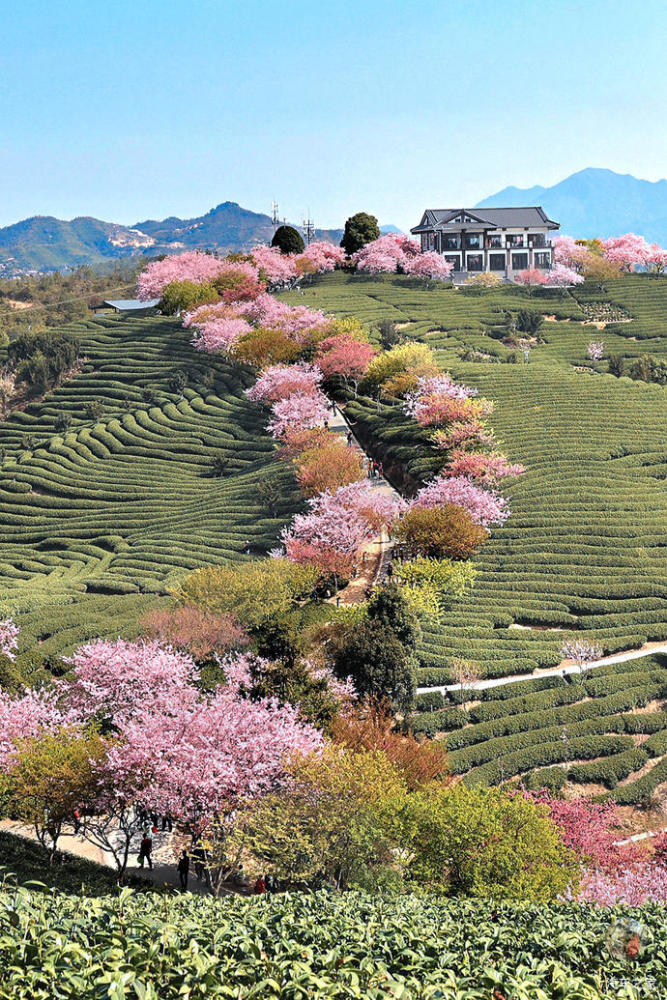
{"points": [[387, 255], [628, 251], [429, 264], [560, 276], [279, 268], [595, 350], [279, 381], [656, 259], [530, 278], [217, 327], [484, 467], [339, 522], [634, 886], [581, 651], [321, 257], [298, 411], [344, 356], [25, 716], [429, 389], [9, 634], [570, 254], [193, 265], [484, 506], [463, 434]]}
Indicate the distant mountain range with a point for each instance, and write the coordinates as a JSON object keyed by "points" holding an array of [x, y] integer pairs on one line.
{"points": [[43, 243], [596, 202]]}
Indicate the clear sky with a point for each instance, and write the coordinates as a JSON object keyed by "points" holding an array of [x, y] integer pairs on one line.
{"points": [[134, 109]]}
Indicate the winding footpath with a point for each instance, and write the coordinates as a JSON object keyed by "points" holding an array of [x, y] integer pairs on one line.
{"points": [[565, 667]]}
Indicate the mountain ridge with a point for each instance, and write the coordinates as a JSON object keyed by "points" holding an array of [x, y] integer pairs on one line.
{"points": [[596, 201]]}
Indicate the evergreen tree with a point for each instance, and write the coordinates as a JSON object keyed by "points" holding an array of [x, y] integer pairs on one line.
{"points": [[360, 229], [288, 240]]}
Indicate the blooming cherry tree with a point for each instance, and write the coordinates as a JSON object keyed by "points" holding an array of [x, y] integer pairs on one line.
{"points": [[9, 634], [193, 265], [298, 411], [321, 257], [279, 381], [595, 350], [278, 267], [429, 264], [561, 276], [530, 278], [484, 506], [344, 356], [628, 251], [484, 467]]}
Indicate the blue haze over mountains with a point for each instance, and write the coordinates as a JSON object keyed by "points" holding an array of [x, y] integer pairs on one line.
{"points": [[596, 202]]}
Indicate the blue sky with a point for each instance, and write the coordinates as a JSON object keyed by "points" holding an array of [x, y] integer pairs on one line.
{"points": [[136, 109]]}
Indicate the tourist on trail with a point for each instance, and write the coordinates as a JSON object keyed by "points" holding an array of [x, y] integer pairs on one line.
{"points": [[167, 824], [380, 469], [199, 858], [146, 850], [77, 820], [349, 437], [183, 869], [246, 547], [260, 886]]}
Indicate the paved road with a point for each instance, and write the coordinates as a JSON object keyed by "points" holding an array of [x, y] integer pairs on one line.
{"points": [[565, 668]]}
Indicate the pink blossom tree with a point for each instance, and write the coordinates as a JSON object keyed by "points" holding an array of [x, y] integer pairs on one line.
{"points": [[339, 522], [483, 467], [193, 265], [9, 634], [656, 259], [627, 252], [278, 268], [25, 716], [595, 350], [463, 434], [298, 411], [570, 254], [344, 356], [279, 381], [321, 257], [387, 255], [561, 276], [485, 507], [430, 265], [216, 327], [530, 278], [580, 651]]}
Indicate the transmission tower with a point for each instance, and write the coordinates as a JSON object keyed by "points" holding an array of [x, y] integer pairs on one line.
{"points": [[274, 212], [309, 229]]}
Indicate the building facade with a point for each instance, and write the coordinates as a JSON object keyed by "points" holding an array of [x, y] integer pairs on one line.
{"points": [[501, 240]]}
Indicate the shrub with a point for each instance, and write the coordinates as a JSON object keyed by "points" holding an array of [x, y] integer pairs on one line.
{"points": [[440, 531]]}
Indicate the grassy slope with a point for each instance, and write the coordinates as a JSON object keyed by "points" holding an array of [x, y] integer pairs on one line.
{"points": [[584, 549], [115, 508]]}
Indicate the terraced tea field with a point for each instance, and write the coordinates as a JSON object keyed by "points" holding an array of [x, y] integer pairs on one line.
{"points": [[126, 500], [584, 551]]}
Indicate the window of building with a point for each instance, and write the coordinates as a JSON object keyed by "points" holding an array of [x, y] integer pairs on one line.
{"points": [[450, 242], [453, 258], [496, 241], [497, 262], [475, 262], [423, 241], [519, 261], [536, 239], [473, 241], [514, 240], [543, 260]]}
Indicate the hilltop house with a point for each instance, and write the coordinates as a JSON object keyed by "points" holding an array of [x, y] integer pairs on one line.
{"points": [[502, 240]]}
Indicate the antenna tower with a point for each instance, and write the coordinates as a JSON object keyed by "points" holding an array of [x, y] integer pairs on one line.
{"points": [[274, 212], [308, 228]]}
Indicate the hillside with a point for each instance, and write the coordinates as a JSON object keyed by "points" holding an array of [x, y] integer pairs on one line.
{"points": [[596, 202], [96, 517], [43, 243]]}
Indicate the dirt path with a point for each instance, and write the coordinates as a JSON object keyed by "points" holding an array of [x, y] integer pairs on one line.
{"points": [[565, 667]]}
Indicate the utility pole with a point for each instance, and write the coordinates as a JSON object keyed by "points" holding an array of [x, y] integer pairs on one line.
{"points": [[308, 228]]}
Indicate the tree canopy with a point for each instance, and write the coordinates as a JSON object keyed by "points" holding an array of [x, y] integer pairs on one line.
{"points": [[360, 229], [288, 240]]}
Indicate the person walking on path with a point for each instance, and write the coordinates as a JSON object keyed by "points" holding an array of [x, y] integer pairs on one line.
{"points": [[260, 886], [349, 439], [146, 850], [183, 869]]}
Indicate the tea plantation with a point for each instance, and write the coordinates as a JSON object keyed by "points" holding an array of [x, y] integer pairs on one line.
{"points": [[584, 550], [298, 947], [100, 509]]}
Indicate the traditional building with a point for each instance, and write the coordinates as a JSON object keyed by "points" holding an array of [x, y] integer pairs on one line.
{"points": [[502, 240]]}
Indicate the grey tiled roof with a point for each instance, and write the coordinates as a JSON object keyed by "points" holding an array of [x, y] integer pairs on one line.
{"points": [[496, 218], [127, 305]]}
